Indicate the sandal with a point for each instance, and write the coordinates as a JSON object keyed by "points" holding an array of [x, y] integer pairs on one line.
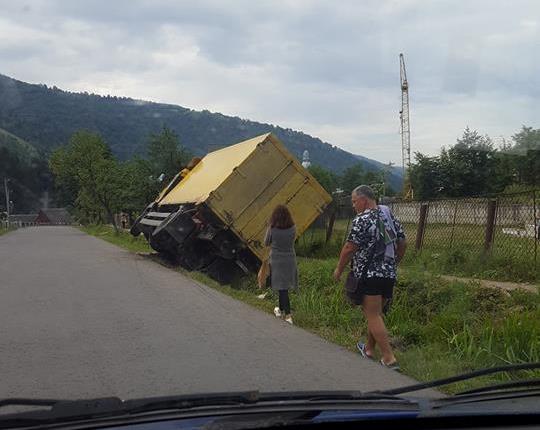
{"points": [[362, 350], [391, 366]]}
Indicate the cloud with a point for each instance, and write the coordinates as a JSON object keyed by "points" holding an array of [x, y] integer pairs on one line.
{"points": [[329, 69]]}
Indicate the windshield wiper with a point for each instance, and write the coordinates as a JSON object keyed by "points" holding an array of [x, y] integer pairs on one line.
{"points": [[462, 377], [528, 383], [253, 397], [111, 406], [314, 396], [59, 410], [190, 401], [28, 402], [70, 410]]}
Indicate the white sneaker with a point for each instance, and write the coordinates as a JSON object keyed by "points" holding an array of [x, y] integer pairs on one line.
{"points": [[289, 319], [277, 312], [262, 296]]}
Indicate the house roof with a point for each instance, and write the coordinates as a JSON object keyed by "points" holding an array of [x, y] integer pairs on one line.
{"points": [[56, 215]]}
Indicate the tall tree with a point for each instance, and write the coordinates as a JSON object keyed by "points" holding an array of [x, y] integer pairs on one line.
{"points": [[352, 177], [472, 167], [527, 148], [87, 167], [326, 178], [27, 174], [469, 166], [425, 175], [140, 185], [165, 153]]}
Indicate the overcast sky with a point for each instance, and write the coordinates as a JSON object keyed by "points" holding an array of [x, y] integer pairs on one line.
{"points": [[328, 68]]}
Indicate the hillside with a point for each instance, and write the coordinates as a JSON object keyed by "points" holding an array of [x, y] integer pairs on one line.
{"points": [[47, 117], [17, 145], [396, 172], [27, 171]]}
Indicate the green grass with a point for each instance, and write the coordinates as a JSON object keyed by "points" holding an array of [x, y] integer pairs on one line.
{"points": [[438, 328], [446, 250], [4, 230], [121, 238], [466, 263]]}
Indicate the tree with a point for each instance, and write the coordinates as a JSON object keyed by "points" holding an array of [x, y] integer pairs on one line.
{"points": [[527, 149], [505, 170], [425, 177], [326, 178], [352, 177], [140, 185], [87, 167], [27, 173], [468, 167], [472, 167], [165, 153]]}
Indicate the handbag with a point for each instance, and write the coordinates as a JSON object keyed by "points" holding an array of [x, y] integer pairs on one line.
{"points": [[352, 283], [263, 274]]}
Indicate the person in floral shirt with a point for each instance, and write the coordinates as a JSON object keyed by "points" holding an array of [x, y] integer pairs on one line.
{"points": [[374, 247]]}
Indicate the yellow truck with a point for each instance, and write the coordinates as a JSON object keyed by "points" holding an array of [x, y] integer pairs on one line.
{"points": [[214, 217]]}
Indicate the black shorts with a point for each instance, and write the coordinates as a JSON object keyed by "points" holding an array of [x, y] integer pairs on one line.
{"points": [[371, 287]]}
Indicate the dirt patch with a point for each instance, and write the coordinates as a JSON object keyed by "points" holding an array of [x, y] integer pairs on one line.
{"points": [[506, 286]]}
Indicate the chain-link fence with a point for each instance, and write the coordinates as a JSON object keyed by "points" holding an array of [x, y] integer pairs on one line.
{"points": [[326, 235], [507, 224], [504, 227]]}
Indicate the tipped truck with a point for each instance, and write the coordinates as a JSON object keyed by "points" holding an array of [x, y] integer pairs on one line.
{"points": [[213, 218]]}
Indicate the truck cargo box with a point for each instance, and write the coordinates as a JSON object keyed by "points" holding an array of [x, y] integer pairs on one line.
{"points": [[231, 194]]}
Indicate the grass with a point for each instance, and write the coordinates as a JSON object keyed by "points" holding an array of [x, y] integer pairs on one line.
{"points": [[448, 251], [438, 328], [4, 230], [121, 238], [460, 251]]}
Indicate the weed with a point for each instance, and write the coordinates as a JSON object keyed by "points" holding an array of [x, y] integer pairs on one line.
{"points": [[489, 301]]}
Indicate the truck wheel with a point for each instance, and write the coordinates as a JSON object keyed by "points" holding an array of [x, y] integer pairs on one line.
{"points": [[224, 271], [195, 256], [163, 248], [135, 230]]}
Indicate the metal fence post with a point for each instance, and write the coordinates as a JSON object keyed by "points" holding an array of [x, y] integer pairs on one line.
{"points": [[330, 226], [536, 229], [421, 226], [490, 224], [453, 224]]}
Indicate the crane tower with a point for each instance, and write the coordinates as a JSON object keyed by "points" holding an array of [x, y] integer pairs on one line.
{"points": [[405, 128]]}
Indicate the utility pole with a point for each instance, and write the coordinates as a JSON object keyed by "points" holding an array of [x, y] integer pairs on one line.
{"points": [[6, 191]]}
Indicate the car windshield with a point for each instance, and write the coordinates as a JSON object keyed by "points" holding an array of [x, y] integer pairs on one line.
{"points": [[203, 197]]}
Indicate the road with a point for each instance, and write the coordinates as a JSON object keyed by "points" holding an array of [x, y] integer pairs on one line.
{"points": [[82, 318]]}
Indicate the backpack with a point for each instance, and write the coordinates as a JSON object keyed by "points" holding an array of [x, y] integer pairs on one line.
{"points": [[386, 235]]}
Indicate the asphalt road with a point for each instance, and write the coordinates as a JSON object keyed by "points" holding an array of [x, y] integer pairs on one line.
{"points": [[82, 318]]}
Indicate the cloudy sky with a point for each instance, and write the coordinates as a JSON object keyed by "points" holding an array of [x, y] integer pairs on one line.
{"points": [[328, 68]]}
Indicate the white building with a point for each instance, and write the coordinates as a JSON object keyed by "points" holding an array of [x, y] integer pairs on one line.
{"points": [[305, 159]]}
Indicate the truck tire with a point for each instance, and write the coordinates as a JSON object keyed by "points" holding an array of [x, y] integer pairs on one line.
{"points": [[195, 255], [163, 248], [224, 271]]}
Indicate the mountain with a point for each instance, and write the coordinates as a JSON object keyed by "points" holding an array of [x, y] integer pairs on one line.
{"points": [[395, 171], [27, 171], [47, 117], [17, 146]]}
